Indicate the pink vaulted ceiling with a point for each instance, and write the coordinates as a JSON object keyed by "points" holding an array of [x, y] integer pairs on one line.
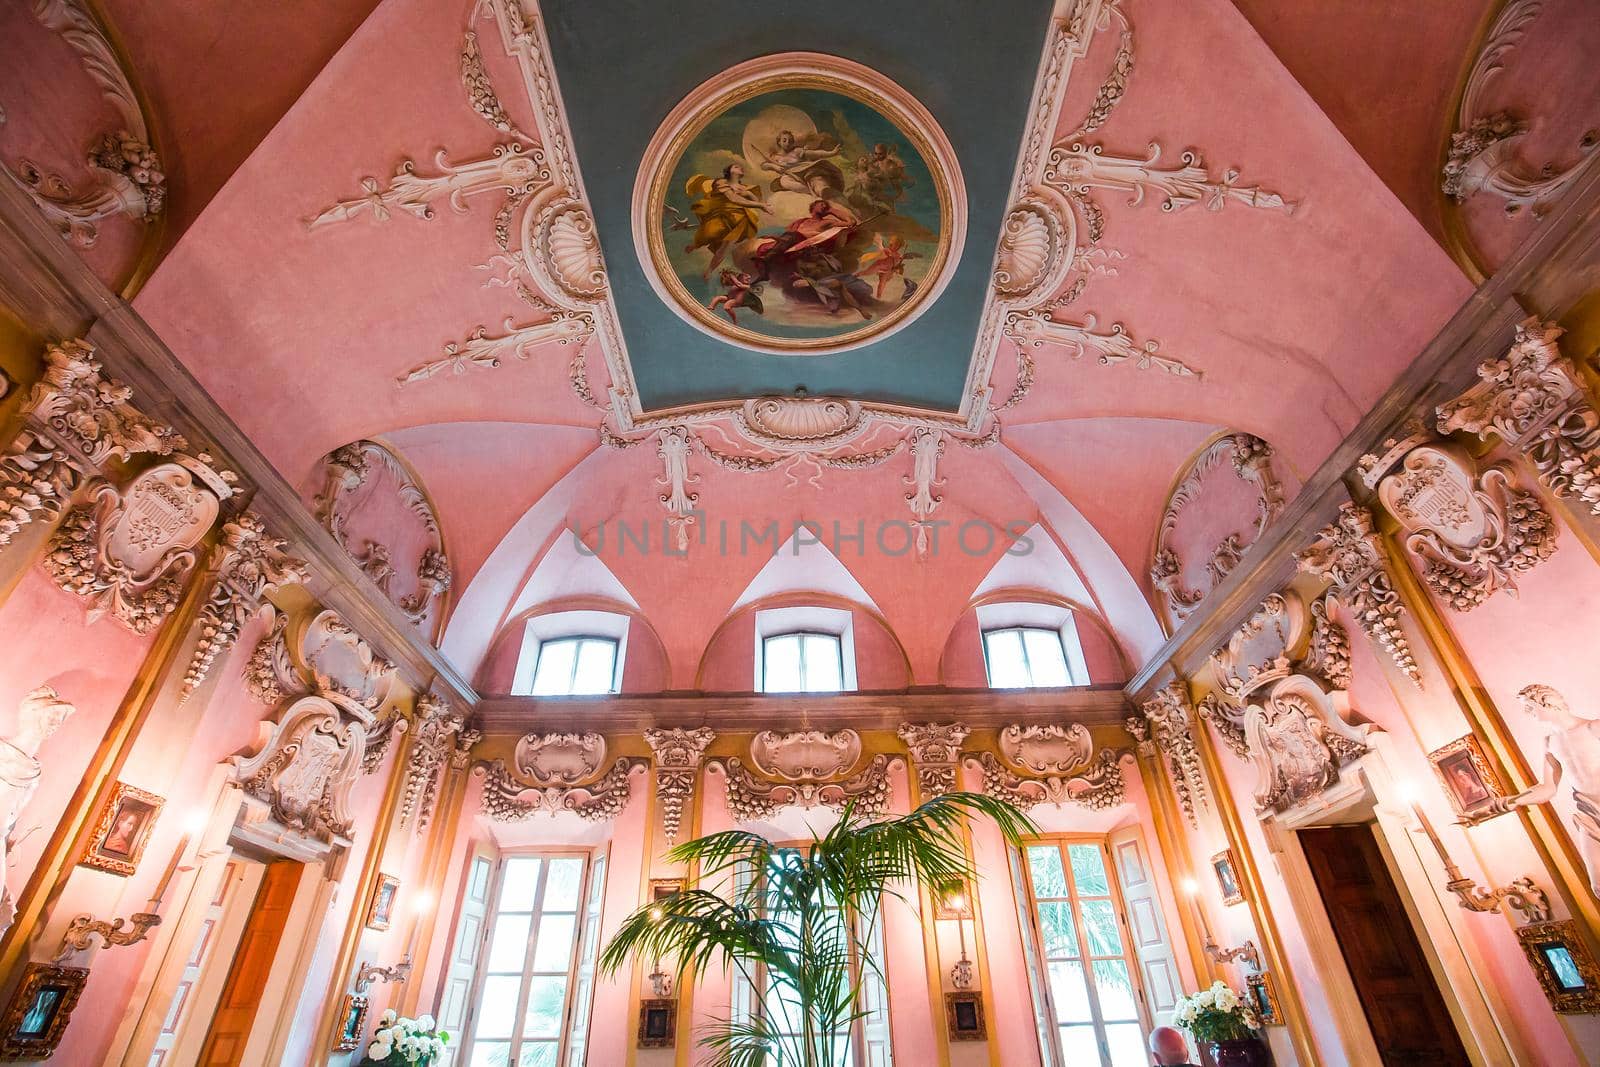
{"points": [[1386, 74], [1297, 323], [219, 76]]}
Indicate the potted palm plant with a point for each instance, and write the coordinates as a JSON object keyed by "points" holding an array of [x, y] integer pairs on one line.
{"points": [[804, 917]]}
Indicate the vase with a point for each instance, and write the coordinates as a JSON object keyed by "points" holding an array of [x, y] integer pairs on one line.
{"points": [[1241, 1052]]}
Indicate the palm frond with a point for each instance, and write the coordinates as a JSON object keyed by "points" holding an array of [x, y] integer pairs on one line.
{"points": [[803, 917]]}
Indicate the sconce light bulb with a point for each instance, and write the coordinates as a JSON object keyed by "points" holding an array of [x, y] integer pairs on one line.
{"points": [[422, 903], [957, 901], [656, 914], [1190, 886]]}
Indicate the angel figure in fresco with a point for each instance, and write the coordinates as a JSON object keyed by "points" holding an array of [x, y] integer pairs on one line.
{"points": [[1571, 748], [804, 164], [728, 210], [885, 259], [742, 291], [880, 180]]}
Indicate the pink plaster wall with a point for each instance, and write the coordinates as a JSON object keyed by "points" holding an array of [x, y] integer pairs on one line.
{"points": [[91, 666]]}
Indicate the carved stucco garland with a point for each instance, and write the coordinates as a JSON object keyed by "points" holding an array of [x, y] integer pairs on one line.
{"points": [[127, 177], [1483, 156]]}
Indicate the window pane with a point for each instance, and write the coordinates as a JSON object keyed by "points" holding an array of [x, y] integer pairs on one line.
{"points": [[547, 1001], [508, 948], [497, 1008], [541, 1055], [1047, 662], [824, 666], [1060, 939], [561, 893], [597, 663], [1100, 922], [554, 949], [1044, 864], [1127, 1045], [1088, 870], [490, 1054], [1079, 1046], [1069, 993], [1115, 990], [521, 883], [553, 676], [780, 666], [1007, 668]]}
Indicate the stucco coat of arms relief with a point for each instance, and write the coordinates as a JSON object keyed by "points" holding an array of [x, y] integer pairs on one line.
{"points": [[806, 769], [1277, 704], [554, 773], [1051, 763]]}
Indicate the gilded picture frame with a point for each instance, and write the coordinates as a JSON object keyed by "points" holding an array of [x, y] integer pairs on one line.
{"points": [[1226, 870], [122, 830], [380, 909], [963, 1013], [1566, 971], [662, 888], [39, 1010], [658, 1022], [1258, 988], [1467, 779], [353, 1022]]}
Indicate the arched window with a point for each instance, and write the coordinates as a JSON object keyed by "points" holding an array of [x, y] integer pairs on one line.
{"points": [[1031, 646], [804, 650], [571, 653]]}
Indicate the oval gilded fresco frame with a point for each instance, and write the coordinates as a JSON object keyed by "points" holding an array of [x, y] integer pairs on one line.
{"points": [[773, 74]]}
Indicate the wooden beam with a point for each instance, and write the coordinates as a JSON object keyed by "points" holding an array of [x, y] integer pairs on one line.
{"points": [[743, 712]]}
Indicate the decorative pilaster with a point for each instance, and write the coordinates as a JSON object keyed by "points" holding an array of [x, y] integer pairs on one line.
{"points": [[935, 752], [1165, 725], [1349, 554], [1533, 400], [435, 730], [679, 753], [248, 563]]}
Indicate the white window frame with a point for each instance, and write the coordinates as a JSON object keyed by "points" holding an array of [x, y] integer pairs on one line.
{"points": [[1027, 663], [825, 622], [540, 630], [1029, 615], [1039, 962], [580, 969]]}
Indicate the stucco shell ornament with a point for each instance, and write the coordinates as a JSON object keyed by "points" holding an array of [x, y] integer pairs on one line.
{"points": [[798, 204]]}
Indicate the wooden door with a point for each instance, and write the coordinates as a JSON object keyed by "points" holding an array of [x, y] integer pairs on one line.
{"points": [[1409, 1021], [258, 947]]}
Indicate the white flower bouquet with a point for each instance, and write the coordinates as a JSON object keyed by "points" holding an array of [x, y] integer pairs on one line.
{"points": [[1215, 1014], [413, 1042]]}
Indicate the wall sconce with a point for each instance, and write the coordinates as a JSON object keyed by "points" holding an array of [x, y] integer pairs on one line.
{"points": [[130, 931], [954, 902], [371, 972], [1522, 894], [1246, 952]]}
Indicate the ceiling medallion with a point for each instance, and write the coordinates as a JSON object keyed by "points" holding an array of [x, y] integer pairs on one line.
{"points": [[798, 204]]}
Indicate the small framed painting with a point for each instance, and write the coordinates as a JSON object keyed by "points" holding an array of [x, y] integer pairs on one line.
{"points": [[963, 1013], [1467, 778], [1567, 972], [123, 830], [658, 1023], [380, 912], [39, 1010], [352, 1021], [1227, 872], [662, 888], [1258, 990]]}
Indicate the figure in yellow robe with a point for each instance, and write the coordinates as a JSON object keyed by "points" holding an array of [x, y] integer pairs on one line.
{"points": [[727, 210]]}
